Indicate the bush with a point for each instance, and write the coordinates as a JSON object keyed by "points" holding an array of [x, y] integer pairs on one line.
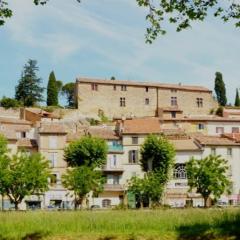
{"points": [[10, 103], [219, 111]]}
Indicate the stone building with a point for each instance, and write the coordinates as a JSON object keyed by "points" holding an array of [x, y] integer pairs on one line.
{"points": [[117, 99]]}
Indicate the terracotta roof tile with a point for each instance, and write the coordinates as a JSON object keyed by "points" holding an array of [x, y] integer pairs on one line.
{"points": [[14, 121], [52, 128], [25, 142], [141, 126], [103, 132], [143, 84], [215, 140], [185, 145], [233, 136]]}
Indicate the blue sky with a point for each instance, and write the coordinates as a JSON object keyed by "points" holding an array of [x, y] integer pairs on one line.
{"points": [[106, 38]]}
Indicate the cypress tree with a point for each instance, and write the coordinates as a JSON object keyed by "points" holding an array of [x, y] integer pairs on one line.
{"points": [[28, 91], [220, 89], [52, 90], [237, 99]]}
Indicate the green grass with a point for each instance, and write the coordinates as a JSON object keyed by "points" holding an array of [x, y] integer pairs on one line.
{"points": [[107, 225]]}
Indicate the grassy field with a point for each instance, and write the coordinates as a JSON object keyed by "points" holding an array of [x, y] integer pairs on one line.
{"points": [[186, 224]]}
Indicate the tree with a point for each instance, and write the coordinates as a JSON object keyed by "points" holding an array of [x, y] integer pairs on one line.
{"points": [[9, 103], [113, 78], [220, 89], [24, 175], [68, 90], [208, 176], [82, 180], [159, 12], [52, 90], [28, 91], [237, 99], [88, 151]]}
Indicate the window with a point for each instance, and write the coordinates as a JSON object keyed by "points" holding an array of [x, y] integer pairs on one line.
{"points": [[106, 203], [133, 156], [173, 114], [122, 102], [116, 179], [213, 151], [201, 126], [173, 101], [52, 157], [123, 88], [114, 87], [173, 90], [180, 171], [219, 130], [235, 130], [147, 101], [94, 87], [114, 161], [53, 180], [21, 135], [146, 89], [53, 142], [134, 140], [199, 102], [229, 151]]}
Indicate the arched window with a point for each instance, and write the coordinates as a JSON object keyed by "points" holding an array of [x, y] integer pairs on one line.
{"points": [[180, 171], [106, 203]]}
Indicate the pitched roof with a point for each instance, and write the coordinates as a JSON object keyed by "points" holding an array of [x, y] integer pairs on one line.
{"points": [[14, 121], [144, 84], [28, 143], [233, 136], [185, 145], [141, 126], [42, 112], [215, 140], [103, 132], [52, 128], [75, 136]]}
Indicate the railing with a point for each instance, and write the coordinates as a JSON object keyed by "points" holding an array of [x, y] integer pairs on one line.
{"points": [[113, 187], [115, 148]]}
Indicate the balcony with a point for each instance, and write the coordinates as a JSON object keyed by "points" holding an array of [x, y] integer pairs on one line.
{"points": [[113, 187], [115, 148], [109, 169]]}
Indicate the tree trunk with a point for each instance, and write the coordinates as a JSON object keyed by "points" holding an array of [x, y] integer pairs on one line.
{"points": [[205, 202], [16, 206]]}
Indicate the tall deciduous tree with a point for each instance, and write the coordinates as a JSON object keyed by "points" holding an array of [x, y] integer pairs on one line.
{"points": [[88, 151], [82, 180], [220, 89], [24, 175], [52, 90], [237, 99], [68, 90], [208, 176], [28, 91]]}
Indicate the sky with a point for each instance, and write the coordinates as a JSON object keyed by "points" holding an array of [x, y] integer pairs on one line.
{"points": [[105, 38]]}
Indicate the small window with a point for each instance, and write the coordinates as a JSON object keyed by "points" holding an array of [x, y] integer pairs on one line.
{"points": [[173, 101], [114, 87], [53, 180], [52, 157], [133, 156], [201, 126], [106, 203], [134, 140], [180, 171], [147, 101], [116, 179], [114, 161], [199, 102], [219, 130], [173, 114], [213, 151], [94, 87], [146, 89], [122, 102], [229, 151], [235, 130], [123, 88]]}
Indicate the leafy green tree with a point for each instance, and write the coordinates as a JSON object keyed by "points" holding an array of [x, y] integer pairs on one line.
{"points": [[208, 176], [159, 12], [28, 91], [82, 180], [52, 90], [24, 175], [9, 103], [88, 151], [237, 99], [220, 89], [68, 90]]}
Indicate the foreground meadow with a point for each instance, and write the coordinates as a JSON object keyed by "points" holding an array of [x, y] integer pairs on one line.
{"points": [[170, 224]]}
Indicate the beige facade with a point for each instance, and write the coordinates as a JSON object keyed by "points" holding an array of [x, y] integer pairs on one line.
{"points": [[125, 98]]}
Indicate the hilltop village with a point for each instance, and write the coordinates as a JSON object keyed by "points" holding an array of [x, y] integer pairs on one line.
{"points": [[124, 113]]}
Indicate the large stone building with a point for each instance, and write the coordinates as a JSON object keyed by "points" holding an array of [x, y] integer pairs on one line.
{"points": [[118, 99]]}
